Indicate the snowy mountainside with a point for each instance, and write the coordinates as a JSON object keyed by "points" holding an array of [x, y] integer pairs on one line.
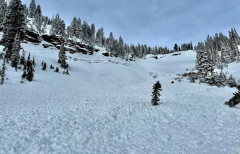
{"points": [[104, 106]]}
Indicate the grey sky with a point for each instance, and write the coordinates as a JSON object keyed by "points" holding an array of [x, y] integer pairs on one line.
{"points": [[151, 22]]}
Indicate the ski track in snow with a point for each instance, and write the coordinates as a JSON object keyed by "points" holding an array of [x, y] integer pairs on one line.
{"points": [[106, 108]]}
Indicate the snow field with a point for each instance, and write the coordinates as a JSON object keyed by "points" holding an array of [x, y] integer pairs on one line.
{"points": [[106, 108]]}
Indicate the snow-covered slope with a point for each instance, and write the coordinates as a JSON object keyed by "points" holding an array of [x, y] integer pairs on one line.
{"points": [[104, 106]]}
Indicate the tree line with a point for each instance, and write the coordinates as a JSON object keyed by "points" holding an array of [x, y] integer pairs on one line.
{"points": [[78, 30]]}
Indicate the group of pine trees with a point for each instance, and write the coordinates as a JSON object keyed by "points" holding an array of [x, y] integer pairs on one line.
{"points": [[217, 52], [183, 47]]}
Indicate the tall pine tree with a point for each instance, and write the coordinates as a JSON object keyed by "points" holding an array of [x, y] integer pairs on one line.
{"points": [[14, 23], [3, 7], [32, 9], [62, 57], [3, 71], [15, 52]]}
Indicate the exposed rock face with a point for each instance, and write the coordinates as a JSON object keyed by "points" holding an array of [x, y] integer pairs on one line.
{"points": [[70, 45], [47, 45], [109, 54], [55, 41], [52, 39], [32, 36]]}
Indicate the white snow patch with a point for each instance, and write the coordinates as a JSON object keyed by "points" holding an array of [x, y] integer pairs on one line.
{"points": [[105, 108]]}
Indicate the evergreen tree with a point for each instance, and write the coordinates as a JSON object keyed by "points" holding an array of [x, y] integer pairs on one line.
{"points": [[22, 59], [32, 9], [62, 57], [235, 100], [25, 11], [39, 22], [234, 42], [222, 78], [157, 87], [100, 37], [120, 47], [92, 33], [176, 48], [200, 61], [110, 43], [38, 10], [30, 75], [3, 71], [3, 8], [14, 23], [29, 63], [15, 52], [231, 81], [75, 28]]}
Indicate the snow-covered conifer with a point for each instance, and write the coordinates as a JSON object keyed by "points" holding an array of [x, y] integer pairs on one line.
{"points": [[30, 75], [14, 23], [38, 10], [3, 8], [92, 33], [15, 51], [235, 100], [62, 57], [29, 63], [3, 71], [234, 42], [157, 87], [110, 43], [100, 37], [120, 47], [231, 81], [22, 59], [32, 9]]}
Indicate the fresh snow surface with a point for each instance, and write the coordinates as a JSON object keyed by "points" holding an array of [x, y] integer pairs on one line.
{"points": [[104, 107]]}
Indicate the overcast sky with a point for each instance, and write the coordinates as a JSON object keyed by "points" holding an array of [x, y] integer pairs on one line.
{"points": [[151, 22]]}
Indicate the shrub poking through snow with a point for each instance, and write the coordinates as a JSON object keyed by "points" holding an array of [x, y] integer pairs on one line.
{"points": [[235, 100], [57, 69], [23, 76], [157, 87], [51, 67], [231, 81], [44, 66]]}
